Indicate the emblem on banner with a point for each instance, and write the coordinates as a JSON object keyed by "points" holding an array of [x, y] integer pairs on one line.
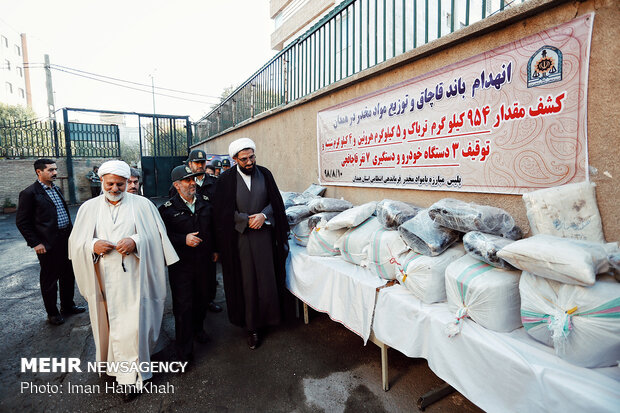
{"points": [[545, 66]]}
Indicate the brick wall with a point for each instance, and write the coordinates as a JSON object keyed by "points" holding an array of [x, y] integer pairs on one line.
{"points": [[17, 174]]}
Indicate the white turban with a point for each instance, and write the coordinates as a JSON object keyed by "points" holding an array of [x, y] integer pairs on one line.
{"points": [[240, 144], [114, 167]]}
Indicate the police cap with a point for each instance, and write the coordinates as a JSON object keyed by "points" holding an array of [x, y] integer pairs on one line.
{"points": [[197, 155], [182, 172], [225, 162]]}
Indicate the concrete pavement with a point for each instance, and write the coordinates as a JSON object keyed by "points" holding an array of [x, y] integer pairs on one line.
{"points": [[318, 367]]}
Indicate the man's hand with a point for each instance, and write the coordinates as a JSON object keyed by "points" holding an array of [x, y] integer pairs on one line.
{"points": [[40, 249], [126, 246], [216, 256], [192, 240], [256, 221], [103, 247]]}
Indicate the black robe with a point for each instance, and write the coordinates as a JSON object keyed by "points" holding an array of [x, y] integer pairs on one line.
{"points": [[228, 248]]}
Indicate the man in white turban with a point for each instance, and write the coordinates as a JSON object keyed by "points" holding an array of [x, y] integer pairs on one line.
{"points": [[252, 240], [119, 250]]}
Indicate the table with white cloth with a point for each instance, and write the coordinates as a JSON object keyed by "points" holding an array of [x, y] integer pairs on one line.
{"points": [[499, 372], [344, 291]]}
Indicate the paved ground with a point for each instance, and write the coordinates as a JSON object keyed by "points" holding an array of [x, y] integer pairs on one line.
{"points": [[299, 368]]}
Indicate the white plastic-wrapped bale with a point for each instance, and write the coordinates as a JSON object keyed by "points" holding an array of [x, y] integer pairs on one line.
{"points": [[316, 190], [561, 259], [581, 323], [568, 211], [485, 247], [352, 217], [425, 236], [301, 232], [392, 214], [353, 243], [321, 216], [297, 213], [295, 198], [425, 276], [383, 251], [322, 242], [329, 205], [465, 217], [487, 295]]}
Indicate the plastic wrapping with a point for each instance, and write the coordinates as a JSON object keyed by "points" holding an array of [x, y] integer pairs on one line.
{"points": [[329, 205], [560, 259], [487, 295], [464, 217], [321, 216], [296, 213], [384, 251], [352, 217], [295, 198], [581, 323], [426, 237], [485, 247], [568, 211], [425, 276], [353, 243], [316, 190], [392, 214], [322, 242], [301, 232]]}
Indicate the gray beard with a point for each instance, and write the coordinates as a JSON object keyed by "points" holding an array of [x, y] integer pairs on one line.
{"points": [[113, 198]]}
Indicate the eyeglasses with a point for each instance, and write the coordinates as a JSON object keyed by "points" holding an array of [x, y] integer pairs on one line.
{"points": [[249, 158]]}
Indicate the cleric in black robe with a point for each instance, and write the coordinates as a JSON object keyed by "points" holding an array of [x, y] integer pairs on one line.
{"points": [[253, 243]]}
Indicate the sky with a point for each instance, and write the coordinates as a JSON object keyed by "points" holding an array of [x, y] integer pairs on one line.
{"points": [[199, 46]]}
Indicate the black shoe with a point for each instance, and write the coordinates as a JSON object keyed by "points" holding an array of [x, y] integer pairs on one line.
{"points": [[55, 319], [214, 308], [253, 340], [202, 337], [131, 392], [76, 309]]}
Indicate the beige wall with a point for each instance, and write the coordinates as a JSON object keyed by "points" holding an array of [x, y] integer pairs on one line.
{"points": [[286, 138], [17, 174]]}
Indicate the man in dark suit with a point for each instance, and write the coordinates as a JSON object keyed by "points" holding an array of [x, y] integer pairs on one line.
{"points": [[44, 221]]}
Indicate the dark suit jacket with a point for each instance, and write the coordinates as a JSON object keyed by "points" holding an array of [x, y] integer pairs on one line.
{"points": [[37, 218]]}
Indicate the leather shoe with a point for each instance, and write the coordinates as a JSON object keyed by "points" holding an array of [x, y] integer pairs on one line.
{"points": [[76, 309], [202, 337], [131, 392], [55, 319], [253, 340], [214, 308]]}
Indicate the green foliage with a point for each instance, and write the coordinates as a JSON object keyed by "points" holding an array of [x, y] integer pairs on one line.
{"points": [[130, 152], [15, 113], [8, 203]]}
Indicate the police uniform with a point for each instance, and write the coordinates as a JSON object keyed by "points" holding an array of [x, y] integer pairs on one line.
{"points": [[189, 277]]}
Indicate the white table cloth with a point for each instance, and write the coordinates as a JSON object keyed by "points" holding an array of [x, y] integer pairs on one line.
{"points": [[346, 292], [499, 372]]}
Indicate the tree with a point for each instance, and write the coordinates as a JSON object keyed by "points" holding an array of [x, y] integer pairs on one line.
{"points": [[15, 113], [225, 93], [130, 152]]}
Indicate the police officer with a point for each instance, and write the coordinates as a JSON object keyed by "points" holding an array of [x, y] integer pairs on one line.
{"points": [[189, 222], [205, 183], [225, 164], [217, 164]]}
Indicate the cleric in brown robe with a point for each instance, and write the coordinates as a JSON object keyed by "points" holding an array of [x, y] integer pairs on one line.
{"points": [[253, 243]]}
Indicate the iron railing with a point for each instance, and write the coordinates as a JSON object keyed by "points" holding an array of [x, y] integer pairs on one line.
{"points": [[356, 35], [34, 139]]}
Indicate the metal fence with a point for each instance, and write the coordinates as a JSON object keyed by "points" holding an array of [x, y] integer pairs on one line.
{"points": [[34, 139], [356, 35]]}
